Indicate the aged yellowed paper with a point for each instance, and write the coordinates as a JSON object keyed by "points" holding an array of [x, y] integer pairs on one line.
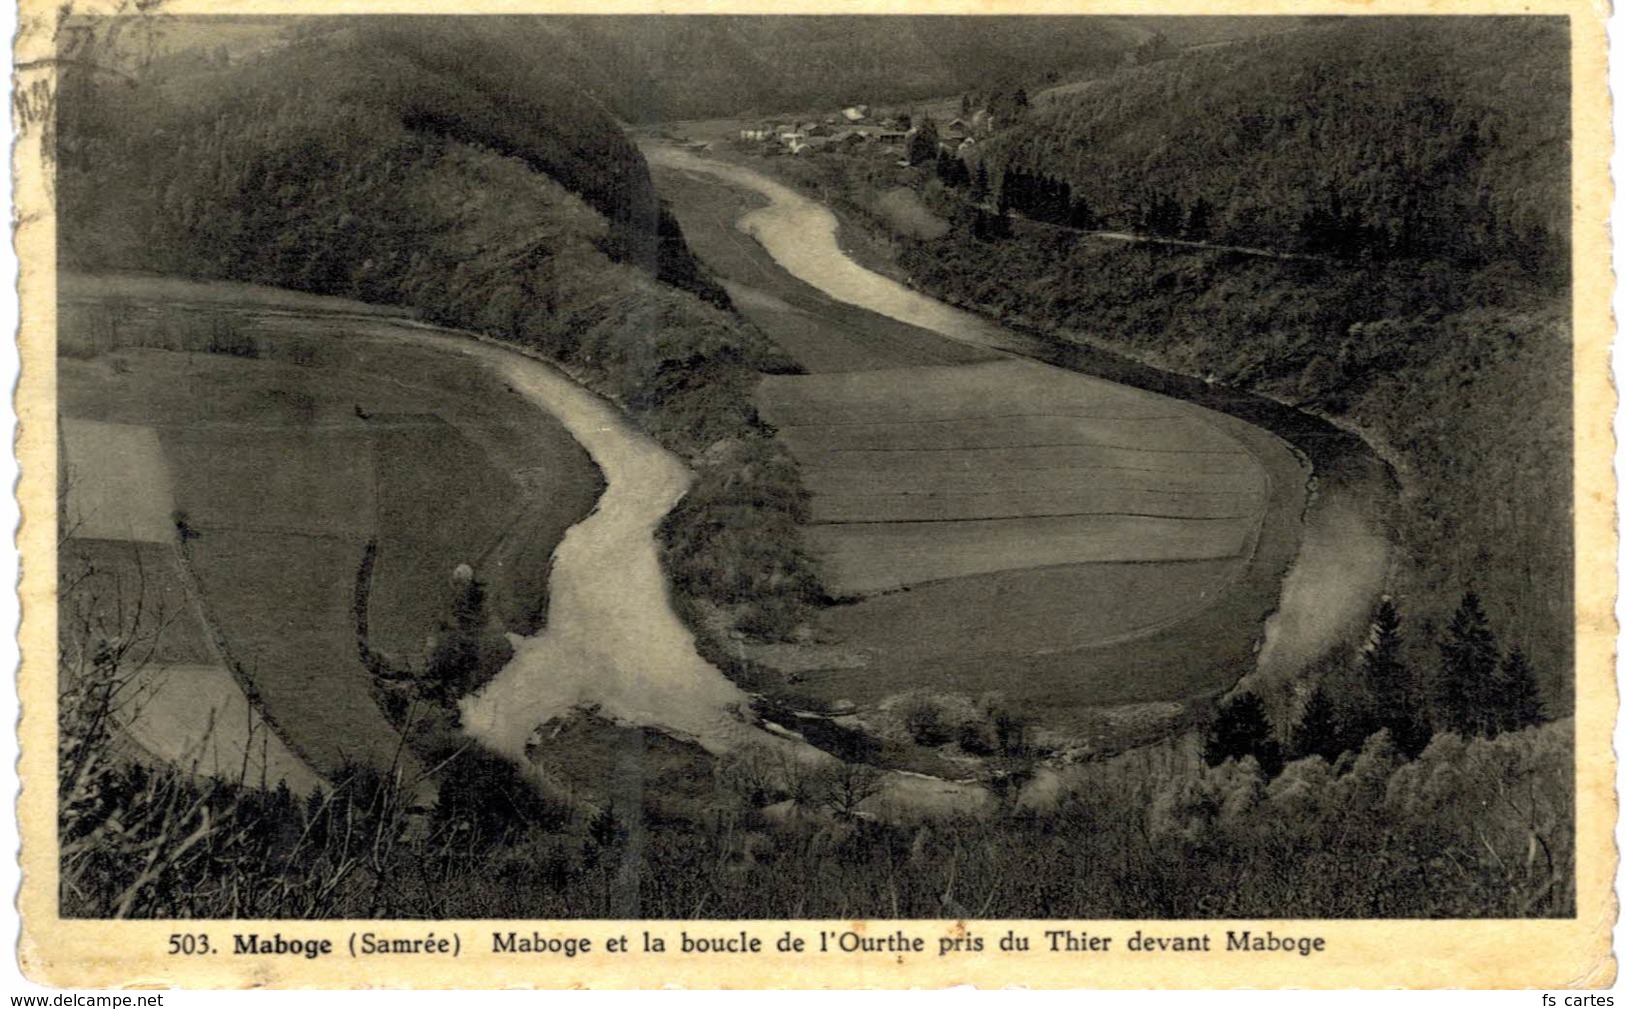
{"points": [[871, 494]]}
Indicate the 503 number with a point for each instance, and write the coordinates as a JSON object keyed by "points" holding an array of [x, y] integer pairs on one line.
{"points": [[189, 945]]}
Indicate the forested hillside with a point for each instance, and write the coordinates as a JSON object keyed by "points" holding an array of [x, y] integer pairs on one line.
{"points": [[1361, 138], [370, 96], [402, 165], [1411, 178]]}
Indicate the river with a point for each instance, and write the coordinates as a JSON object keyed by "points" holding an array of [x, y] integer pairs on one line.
{"points": [[612, 640], [613, 644]]}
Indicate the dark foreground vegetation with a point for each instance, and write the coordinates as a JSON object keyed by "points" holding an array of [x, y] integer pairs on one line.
{"points": [[1469, 828], [1470, 689]]}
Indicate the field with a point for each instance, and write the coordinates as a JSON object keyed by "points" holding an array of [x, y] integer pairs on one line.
{"points": [[181, 704], [196, 717], [929, 473], [132, 590], [281, 455], [1012, 527], [117, 483], [1059, 640]]}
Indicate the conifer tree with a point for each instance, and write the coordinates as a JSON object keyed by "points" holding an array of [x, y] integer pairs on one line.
{"points": [[1242, 727], [1199, 220], [980, 183], [1317, 733], [1517, 694], [1393, 701], [1081, 216], [1464, 700], [922, 145]]}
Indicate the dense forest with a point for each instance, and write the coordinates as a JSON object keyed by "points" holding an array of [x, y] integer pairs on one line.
{"points": [[1423, 138], [465, 83], [648, 69], [1404, 185]]}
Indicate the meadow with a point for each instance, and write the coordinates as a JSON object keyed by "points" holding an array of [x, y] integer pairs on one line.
{"points": [[180, 705], [926, 473], [279, 462]]}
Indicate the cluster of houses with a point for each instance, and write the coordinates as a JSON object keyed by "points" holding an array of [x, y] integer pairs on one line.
{"points": [[854, 126]]}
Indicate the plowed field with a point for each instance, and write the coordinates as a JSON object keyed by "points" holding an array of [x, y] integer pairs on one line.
{"points": [[929, 473]]}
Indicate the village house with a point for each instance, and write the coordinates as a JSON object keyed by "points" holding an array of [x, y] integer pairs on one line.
{"points": [[856, 113]]}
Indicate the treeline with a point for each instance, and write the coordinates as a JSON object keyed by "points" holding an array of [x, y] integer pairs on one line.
{"points": [[1049, 200], [1042, 198], [1365, 138], [1473, 690], [356, 161]]}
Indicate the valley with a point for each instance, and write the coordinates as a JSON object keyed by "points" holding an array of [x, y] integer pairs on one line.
{"points": [[1010, 486]]}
